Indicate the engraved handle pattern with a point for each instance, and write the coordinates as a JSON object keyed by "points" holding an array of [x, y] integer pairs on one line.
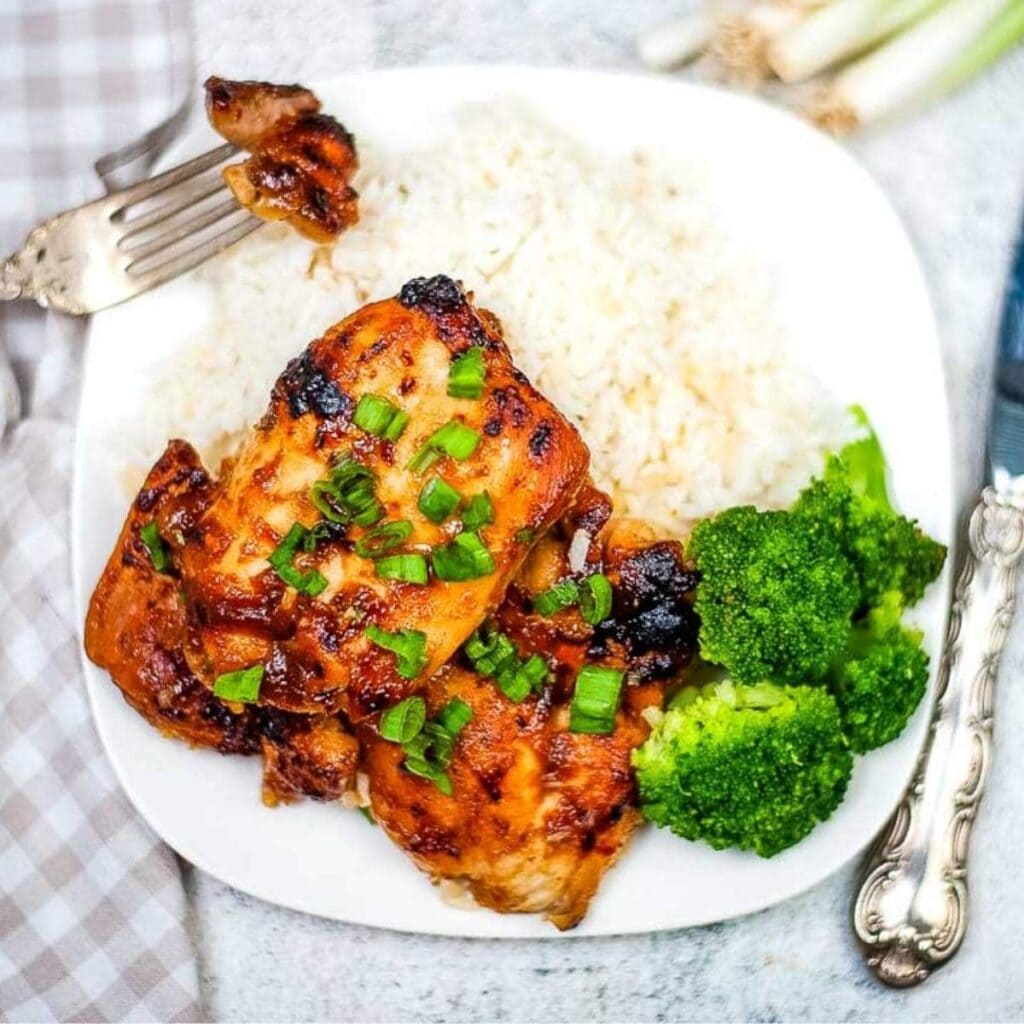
{"points": [[48, 267], [910, 913]]}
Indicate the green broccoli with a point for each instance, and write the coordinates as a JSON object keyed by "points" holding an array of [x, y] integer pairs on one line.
{"points": [[851, 502], [774, 599], [756, 767], [881, 678]]}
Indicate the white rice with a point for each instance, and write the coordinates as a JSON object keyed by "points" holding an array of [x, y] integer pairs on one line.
{"points": [[621, 298]]}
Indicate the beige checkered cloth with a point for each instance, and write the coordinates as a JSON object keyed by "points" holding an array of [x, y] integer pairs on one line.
{"points": [[92, 911]]}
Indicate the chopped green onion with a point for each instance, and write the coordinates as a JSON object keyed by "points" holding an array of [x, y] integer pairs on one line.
{"points": [[438, 500], [283, 554], [595, 699], [466, 374], [408, 645], [408, 568], [454, 439], [595, 599], [348, 495], [523, 678], [241, 685], [423, 459], [158, 555], [426, 770], [397, 426], [562, 595], [479, 511], [325, 530], [312, 582], [535, 671], [404, 721], [492, 653], [464, 558], [429, 750], [376, 416], [383, 538], [455, 716], [525, 535]]}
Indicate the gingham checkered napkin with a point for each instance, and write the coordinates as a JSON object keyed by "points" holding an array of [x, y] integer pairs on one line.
{"points": [[92, 911]]}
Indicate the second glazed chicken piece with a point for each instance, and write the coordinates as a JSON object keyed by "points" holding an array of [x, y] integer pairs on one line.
{"points": [[135, 629], [302, 161], [537, 812], [379, 509]]}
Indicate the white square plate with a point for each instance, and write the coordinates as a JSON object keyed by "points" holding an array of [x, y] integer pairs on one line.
{"points": [[853, 298]]}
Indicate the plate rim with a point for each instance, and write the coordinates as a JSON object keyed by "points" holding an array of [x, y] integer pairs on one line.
{"points": [[506, 75]]}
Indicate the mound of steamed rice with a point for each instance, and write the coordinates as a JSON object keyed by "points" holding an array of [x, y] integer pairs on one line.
{"points": [[620, 297]]}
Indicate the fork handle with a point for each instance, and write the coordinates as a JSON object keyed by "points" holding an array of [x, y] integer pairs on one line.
{"points": [[910, 913]]}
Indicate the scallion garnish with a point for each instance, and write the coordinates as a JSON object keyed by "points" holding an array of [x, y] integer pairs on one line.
{"points": [[563, 594], [348, 495], [408, 645], [595, 700], [492, 653], [438, 500], [384, 538], [324, 531], [595, 599], [242, 685], [464, 558], [403, 722], [158, 554], [407, 568], [379, 417], [525, 535], [479, 512], [429, 751], [455, 716], [467, 373], [312, 582], [454, 439]]}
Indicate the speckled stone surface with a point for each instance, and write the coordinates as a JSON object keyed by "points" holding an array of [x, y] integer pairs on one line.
{"points": [[956, 174]]}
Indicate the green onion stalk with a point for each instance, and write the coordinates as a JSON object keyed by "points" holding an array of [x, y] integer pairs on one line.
{"points": [[839, 31], [945, 49]]}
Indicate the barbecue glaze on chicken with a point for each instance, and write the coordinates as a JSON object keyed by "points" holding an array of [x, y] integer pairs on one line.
{"points": [[136, 628], [538, 813], [316, 651], [302, 161]]}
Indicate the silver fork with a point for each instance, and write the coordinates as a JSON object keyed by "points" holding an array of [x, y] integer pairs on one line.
{"points": [[109, 250]]}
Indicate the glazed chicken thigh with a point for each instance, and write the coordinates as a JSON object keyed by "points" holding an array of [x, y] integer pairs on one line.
{"points": [[538, 813], [136, 628], [320, 652]]}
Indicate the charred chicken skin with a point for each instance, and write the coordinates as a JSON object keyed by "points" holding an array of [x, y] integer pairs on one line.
{"points": [[302, 161], [538, 813], [321, 652], [135, 629]]}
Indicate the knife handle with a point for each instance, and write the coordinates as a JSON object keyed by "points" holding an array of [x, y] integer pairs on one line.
{"points": [[910, 913]]}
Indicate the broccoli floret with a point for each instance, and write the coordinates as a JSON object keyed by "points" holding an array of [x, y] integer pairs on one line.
{"points": [[882, 677], [774, 599], [851, 502], [756, 767]]}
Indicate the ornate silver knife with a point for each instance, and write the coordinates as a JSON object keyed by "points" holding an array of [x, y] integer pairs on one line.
{"points": [[911, 910]]}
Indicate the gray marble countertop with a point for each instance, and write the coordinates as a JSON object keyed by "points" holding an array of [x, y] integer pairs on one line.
{"points": [[956, 175]]}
